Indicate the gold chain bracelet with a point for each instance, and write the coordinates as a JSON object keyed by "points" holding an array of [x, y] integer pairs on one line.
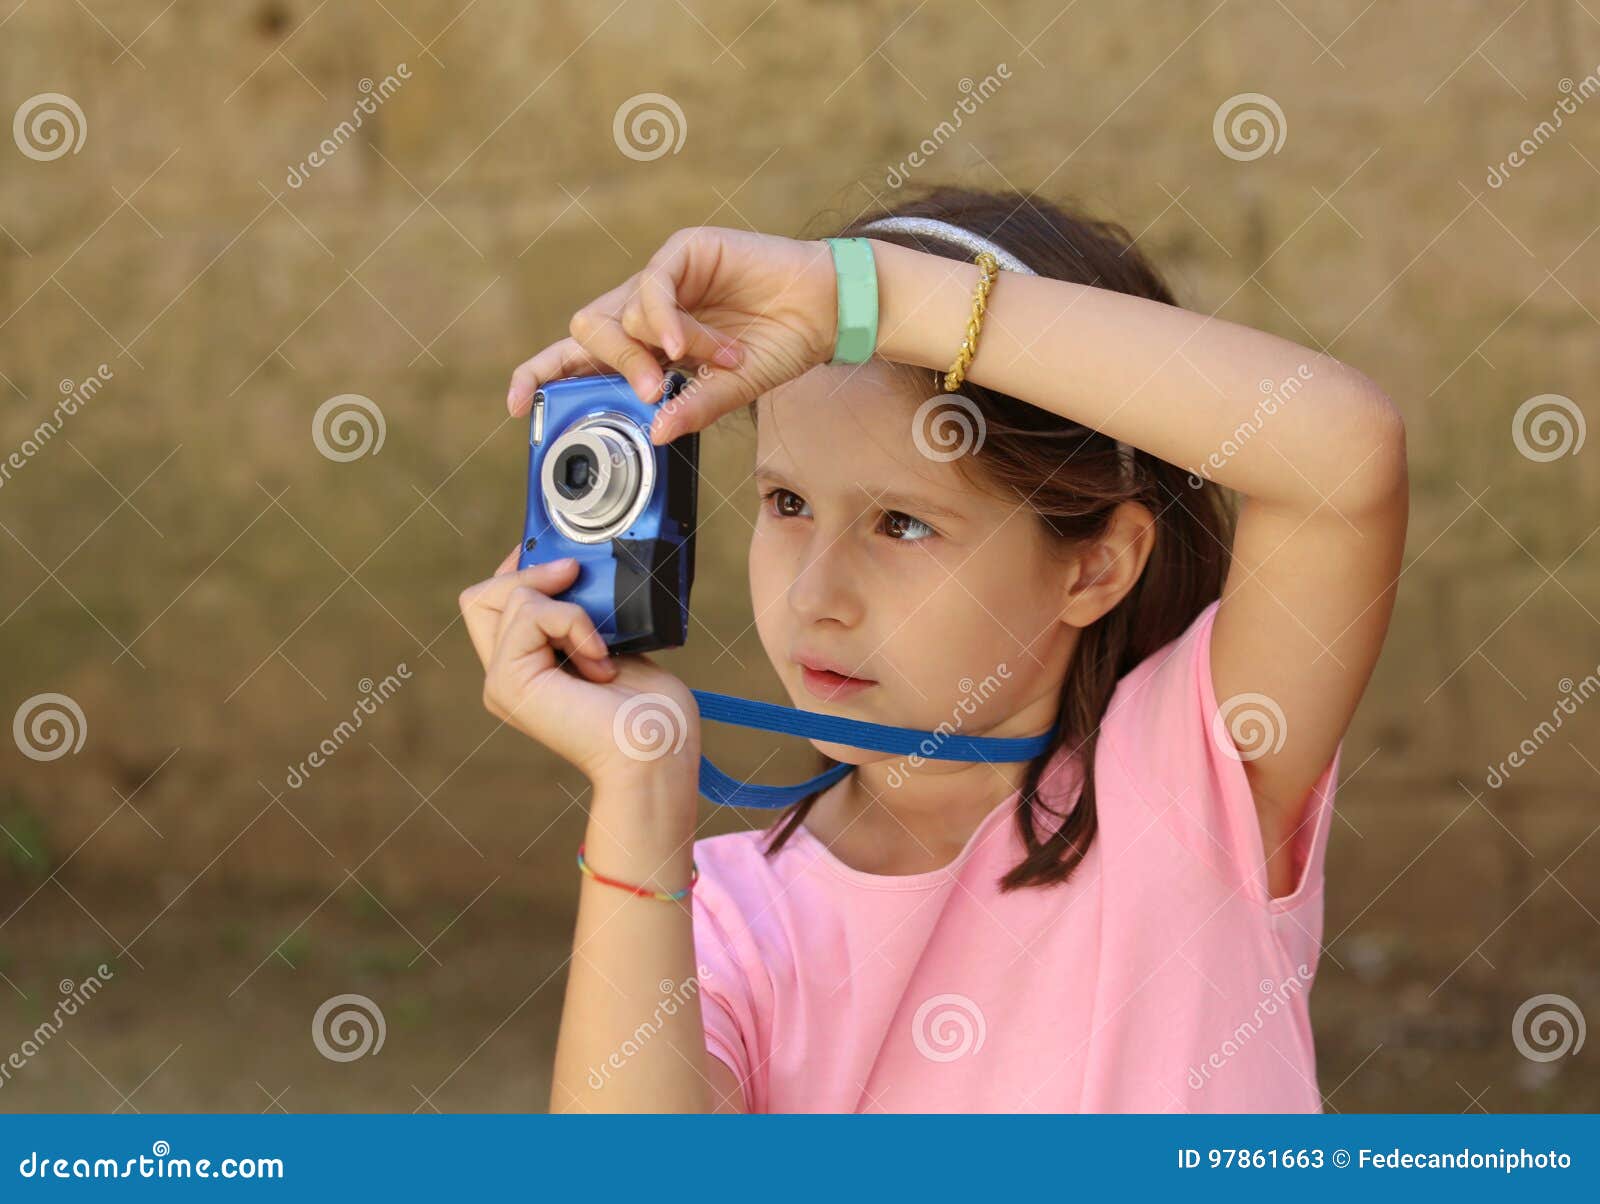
{"points": [[989, 269]]}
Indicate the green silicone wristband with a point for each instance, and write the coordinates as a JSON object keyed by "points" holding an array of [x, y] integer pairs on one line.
{"points": [[857, 274]]}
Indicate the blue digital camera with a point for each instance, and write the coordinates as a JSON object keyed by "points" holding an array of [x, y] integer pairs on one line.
{"points": [[601, 492]]}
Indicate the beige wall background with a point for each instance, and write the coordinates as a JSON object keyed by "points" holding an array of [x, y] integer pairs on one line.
{"points": [[213, 593]]}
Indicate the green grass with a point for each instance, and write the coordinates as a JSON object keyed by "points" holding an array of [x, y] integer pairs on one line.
{"points": [[24, 843]]}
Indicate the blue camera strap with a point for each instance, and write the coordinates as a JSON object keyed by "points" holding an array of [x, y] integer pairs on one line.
{"points": [[729, 791]]}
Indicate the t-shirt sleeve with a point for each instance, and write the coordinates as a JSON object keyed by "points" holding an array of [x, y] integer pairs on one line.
{"points": [[729, 998], [1166, 730]]}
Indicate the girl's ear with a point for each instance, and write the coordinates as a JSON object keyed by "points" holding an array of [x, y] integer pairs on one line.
{"points": [[1107, 568]]}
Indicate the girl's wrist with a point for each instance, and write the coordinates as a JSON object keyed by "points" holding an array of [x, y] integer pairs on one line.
{"points": [[644, 841], [823, 283], [923, 305], [660, 804]]}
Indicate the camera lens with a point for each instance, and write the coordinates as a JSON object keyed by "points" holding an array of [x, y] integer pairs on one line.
{"points": [[597, 477], [575, 473]]}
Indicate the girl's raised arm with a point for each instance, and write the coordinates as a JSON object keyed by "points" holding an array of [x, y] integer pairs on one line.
{"points": [[1322, 468]]}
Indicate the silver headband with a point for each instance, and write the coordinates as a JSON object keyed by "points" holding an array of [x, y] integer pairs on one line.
{"points": [[932, 227], [958, 236]]}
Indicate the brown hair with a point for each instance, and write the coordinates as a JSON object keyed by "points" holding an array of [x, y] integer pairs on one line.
{"points": [[1072, 478]]}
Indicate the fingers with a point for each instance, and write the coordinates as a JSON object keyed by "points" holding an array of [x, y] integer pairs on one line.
{"points": [[533, 623], [712, 393], [655, 321], [482, 604], [532, 630], [631, 327], [653, 315], [603, 337], [529, 620], [564, 358], [509, 564]]}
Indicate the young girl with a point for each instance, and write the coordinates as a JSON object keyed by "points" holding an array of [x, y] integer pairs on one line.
{"points": [[1131, 922]]}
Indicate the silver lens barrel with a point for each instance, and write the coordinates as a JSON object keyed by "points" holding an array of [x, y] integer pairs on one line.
{"points": [[597, 477]]}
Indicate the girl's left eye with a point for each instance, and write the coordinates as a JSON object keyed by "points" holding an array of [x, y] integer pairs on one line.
{"points": [[899, 526], [904, 528]]}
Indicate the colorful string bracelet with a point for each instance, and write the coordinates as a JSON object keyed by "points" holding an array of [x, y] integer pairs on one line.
{"points": [[644, 892]]}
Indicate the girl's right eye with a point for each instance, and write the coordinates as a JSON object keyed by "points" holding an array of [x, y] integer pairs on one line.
{"points": [[783, 502]]}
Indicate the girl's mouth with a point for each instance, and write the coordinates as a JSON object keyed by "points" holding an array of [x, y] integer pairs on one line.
{"points": [[830, 686]]}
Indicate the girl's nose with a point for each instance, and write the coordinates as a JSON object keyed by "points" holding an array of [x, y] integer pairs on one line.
{"points": [[827, 586]]}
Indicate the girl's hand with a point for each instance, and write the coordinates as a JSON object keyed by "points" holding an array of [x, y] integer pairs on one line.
{"points": [[750, 310], [624, 721]]}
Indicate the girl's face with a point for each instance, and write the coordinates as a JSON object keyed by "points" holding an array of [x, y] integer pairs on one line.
{"points": [[881, 562]]}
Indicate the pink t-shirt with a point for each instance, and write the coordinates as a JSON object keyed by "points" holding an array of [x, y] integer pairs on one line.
{"points": [[1162, 977]]}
